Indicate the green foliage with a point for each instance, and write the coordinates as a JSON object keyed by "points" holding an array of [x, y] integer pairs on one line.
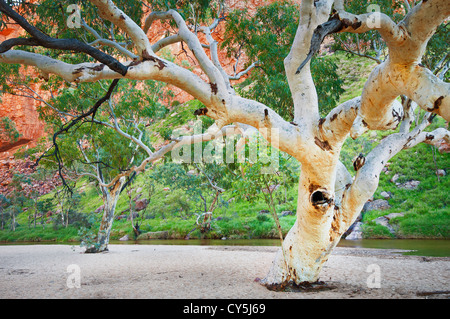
{"points": [[176, 176], [195, 11], [376, 232], [39, 234], [436, 55], [368, 43], [428, 225], [252, 184], [8, 130], [51, 18], [262, 218], [328, 82], [132, 105], [180, 114], [7, 71], [425, 208], [88, 238], [269, 34], [195, 181], [15, 203]]}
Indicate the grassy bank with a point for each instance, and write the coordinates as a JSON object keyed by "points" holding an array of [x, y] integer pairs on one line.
{"points": [[426, 209]]}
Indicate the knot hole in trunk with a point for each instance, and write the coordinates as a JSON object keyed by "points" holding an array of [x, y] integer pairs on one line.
{"points": [[321, 198]]}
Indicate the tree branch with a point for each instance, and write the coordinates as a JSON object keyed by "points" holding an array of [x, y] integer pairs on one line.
{"points": [[109, 11], [41, 39], [301, 84], [66, 128], [218, 86], [428, 91], [336, 126], [367, 177]]}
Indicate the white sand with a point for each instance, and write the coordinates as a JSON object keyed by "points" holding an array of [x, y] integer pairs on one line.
{"points": [[194, 272]]}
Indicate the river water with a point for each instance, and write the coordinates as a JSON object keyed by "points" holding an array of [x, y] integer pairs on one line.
{"points": [[418, 247]]}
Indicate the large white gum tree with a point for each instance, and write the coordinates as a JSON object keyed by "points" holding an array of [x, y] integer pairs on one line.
{"points": [[329, 199]]}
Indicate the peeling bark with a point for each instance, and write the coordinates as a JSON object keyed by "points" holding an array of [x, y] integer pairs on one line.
{"points": [[110, 198], [330, 204]]}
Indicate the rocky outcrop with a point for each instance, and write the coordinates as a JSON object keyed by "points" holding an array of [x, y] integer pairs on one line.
{"points": [[409, 185], [124, 238], [443, 146], [355, 232], [10, 166], [385, 221], [378, 204], [141, 204], [21, 110]]}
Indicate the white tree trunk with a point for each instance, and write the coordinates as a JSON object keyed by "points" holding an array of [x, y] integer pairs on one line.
{"points": [[319, 226], [110, 197]]}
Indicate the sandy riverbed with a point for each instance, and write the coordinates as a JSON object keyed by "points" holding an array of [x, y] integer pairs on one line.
{"points": [[195, 272]]}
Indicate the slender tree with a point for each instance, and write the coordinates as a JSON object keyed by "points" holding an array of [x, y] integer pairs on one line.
{"points": [[106, 148]]}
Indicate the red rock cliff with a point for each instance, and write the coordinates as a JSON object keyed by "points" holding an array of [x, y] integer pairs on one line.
{"points": [[21, 110]]}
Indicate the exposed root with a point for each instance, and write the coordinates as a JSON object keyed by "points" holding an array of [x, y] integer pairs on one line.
{"points": [[94, 250], [290, 286]]}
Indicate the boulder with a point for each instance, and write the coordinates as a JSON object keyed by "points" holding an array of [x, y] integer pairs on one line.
{"points": [[441, 172], [141, 204], [394, 178], [192, 172], [356, 232], [386, 195], [409, 185], [443, 146], [124, 238], [378, 204], [385, 221], [286, 213], [154, 235]]}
